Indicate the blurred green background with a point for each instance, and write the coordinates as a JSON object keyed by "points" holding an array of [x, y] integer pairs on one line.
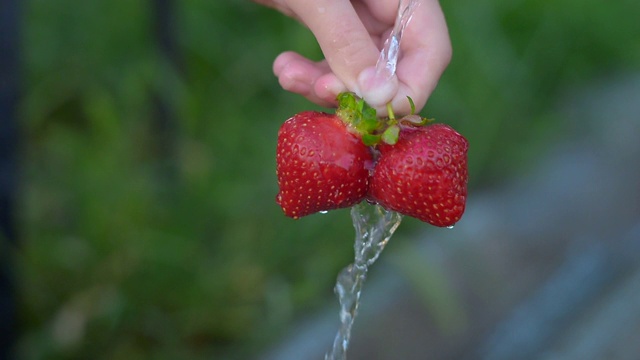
{"points": [[149, 239]]}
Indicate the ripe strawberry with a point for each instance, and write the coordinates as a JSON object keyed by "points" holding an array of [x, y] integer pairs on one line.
{"points": [[320, 165], [424, 175]]}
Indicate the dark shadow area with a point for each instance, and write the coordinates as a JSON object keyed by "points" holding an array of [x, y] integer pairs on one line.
{"points": [[10, 17]]}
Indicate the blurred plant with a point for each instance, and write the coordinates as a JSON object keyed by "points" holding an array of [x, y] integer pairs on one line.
{"points": [[117, 263]]}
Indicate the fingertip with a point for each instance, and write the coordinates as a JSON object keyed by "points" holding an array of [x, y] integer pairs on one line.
{"points": [[302, 76], [283, 60], [296, 73], [377, 90], [327, 87]]}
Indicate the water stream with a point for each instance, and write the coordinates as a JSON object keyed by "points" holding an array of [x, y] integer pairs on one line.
{"points": [[388, 59], [374, 225]]}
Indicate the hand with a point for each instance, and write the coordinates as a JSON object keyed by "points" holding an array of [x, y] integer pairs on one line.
{"points": [[351, 34]]}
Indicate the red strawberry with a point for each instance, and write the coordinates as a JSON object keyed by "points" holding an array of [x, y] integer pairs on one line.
{"points": [[320, 165], [424, 175]]}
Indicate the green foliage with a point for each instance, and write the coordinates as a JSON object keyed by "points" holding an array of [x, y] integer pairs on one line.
{"points": [[139, 246], [512, 60]]}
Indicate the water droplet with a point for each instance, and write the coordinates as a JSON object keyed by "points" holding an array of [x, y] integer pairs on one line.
{"points": [[325, 211], [370, 201], [450, 226]]}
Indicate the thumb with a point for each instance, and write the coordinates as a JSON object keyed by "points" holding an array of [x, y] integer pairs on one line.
{"points": [[377, 88]]}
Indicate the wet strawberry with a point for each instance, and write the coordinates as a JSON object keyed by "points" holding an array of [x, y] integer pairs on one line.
{"points": [[424, 174], [320, 165], [325, 162]]}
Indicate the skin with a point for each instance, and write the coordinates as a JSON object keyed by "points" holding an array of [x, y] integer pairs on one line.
{"points": [[351, 34]]}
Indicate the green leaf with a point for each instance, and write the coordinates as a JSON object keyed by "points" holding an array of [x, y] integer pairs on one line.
{"points": [[390, 135], [411, 103], [370, 121], [346, 100], [347, 108], [370, 139], [414, 120], [360, 117]]}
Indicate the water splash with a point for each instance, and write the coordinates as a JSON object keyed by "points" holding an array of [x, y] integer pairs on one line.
{"points": [[374, 227]]}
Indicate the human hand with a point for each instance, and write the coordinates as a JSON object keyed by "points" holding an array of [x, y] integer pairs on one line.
{"points": [[351, 34]]}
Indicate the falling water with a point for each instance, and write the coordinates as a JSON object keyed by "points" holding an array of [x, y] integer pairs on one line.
{"points": [[390, 53], [374, 226]]}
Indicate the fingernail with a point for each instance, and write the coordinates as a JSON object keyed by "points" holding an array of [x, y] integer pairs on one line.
{"points": [[376, 89]]}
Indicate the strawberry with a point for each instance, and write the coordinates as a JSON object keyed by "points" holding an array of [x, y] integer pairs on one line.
{"points": [[320, 164], [325, 162], [424, 174]]}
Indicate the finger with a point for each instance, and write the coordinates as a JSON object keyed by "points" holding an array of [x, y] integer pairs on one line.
{"points": [[297, 73], [310, 79], [384, 11], [377, 89], [426, 53], [278, 5], [343, 38], [327, 87], [375, 24]]}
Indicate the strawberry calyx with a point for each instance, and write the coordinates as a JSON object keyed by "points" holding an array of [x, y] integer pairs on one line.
{"points": [[362, 120]]}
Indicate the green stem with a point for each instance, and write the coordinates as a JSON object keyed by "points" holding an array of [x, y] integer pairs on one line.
{"points": [[392, 116]]}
